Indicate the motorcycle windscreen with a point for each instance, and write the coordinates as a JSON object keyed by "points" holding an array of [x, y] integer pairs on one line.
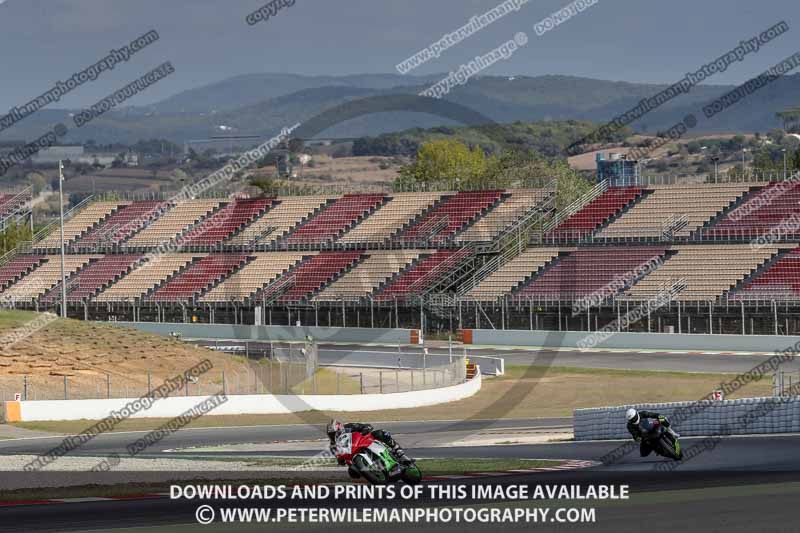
{"points": [[344, 444]]}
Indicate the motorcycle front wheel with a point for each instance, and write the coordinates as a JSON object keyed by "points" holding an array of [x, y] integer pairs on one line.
{"points": [[668, 448], [411, 475], [368, 472]]}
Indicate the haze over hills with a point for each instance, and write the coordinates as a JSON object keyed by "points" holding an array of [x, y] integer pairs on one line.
{"points": [[260, 104]]}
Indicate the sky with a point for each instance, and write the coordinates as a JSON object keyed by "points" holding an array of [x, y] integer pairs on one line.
{"points": [[43, 41]]}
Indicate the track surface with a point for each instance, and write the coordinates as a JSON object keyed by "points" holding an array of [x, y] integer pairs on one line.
{"points": [[633, 360], [760, 483], [693, 497]]}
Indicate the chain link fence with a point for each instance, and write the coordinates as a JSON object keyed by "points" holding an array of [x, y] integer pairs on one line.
{"points": [[785, 383], [269, 369]]}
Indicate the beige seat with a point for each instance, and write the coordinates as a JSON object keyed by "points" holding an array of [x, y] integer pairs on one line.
{"points": [[44, 278], [80, 223], [145, 277], [279, 220], [263, 270], [510, 275], [667, 206], [368, 275], [517, 205], [174, 222], [400, 211], [708, 271]]}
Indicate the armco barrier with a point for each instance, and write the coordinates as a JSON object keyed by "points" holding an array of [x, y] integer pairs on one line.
{"points": [[745, 416], [277, 333], [659, 341], [263, 404]]}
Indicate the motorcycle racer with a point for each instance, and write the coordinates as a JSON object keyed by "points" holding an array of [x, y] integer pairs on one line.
{"points": [[335, 427], [634, 418]]}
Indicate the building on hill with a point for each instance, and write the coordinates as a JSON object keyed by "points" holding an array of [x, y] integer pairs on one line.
{"points": [[617, 169]]}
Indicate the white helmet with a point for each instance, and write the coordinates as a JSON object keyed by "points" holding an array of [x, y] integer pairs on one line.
{"points": [[632, 415]]}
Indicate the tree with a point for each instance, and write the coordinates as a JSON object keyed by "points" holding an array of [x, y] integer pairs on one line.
{"points": [[265, 184], [447, 162]]}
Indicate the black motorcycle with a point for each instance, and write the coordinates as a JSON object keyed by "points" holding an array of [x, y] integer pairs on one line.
{"points": [[661, 439]]}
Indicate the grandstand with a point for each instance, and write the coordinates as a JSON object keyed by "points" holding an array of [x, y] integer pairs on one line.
{"points": [[16, 207], [438, 259]]}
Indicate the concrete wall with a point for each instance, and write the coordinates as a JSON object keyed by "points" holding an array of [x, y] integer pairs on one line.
{"points": [[244, 404], [739, 417], [664, 341], [277, 333]]}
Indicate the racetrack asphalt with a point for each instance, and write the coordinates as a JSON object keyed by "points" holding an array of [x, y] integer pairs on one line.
{"points": [[648, 360], [758, 467], [743, 479]]}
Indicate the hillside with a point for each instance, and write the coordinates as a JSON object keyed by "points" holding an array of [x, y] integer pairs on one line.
{"points": [[261, 105], [92, 355]]}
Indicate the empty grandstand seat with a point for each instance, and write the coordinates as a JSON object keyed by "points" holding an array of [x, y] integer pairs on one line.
{"points": [[764, 211], [314, 274], [45, 277], [17, 268], [707, 270], [450, 216], [177, 221], [399, 212], [780, 281], [590, 270], [596, 212], [674, 210], [426, 271], [121, 224], [87, 282], [198, 277], [335, 219], [289, 212], [225, 222], [259, 273], [515, 205], [145, 277], [503, 280], [368, 275], [80, 223]]}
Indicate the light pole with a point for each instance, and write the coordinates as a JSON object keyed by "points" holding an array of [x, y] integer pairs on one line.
{"points": [[61, 218], [744, 151], [784, 163], [716, 167]]}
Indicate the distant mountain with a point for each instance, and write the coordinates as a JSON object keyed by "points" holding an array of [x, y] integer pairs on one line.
{"points": [[250, 89], [265, 103]]}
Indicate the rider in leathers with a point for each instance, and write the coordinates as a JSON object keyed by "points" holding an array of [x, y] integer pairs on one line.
{"points": [[635, 430], [366, 429]]}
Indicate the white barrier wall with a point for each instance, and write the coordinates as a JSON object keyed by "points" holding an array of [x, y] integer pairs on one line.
{"points": [[247, 404], [745, 416], [658, 341], [277, 333]]}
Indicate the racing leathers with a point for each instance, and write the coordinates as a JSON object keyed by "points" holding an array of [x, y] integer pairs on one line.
{"points": [[636, 431], [380, 434]]}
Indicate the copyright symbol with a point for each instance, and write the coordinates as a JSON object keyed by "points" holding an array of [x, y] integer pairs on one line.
{"points": [[204, 514]]}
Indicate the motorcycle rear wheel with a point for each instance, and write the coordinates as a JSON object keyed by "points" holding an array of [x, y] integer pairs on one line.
{"points": [[668, 448]]}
